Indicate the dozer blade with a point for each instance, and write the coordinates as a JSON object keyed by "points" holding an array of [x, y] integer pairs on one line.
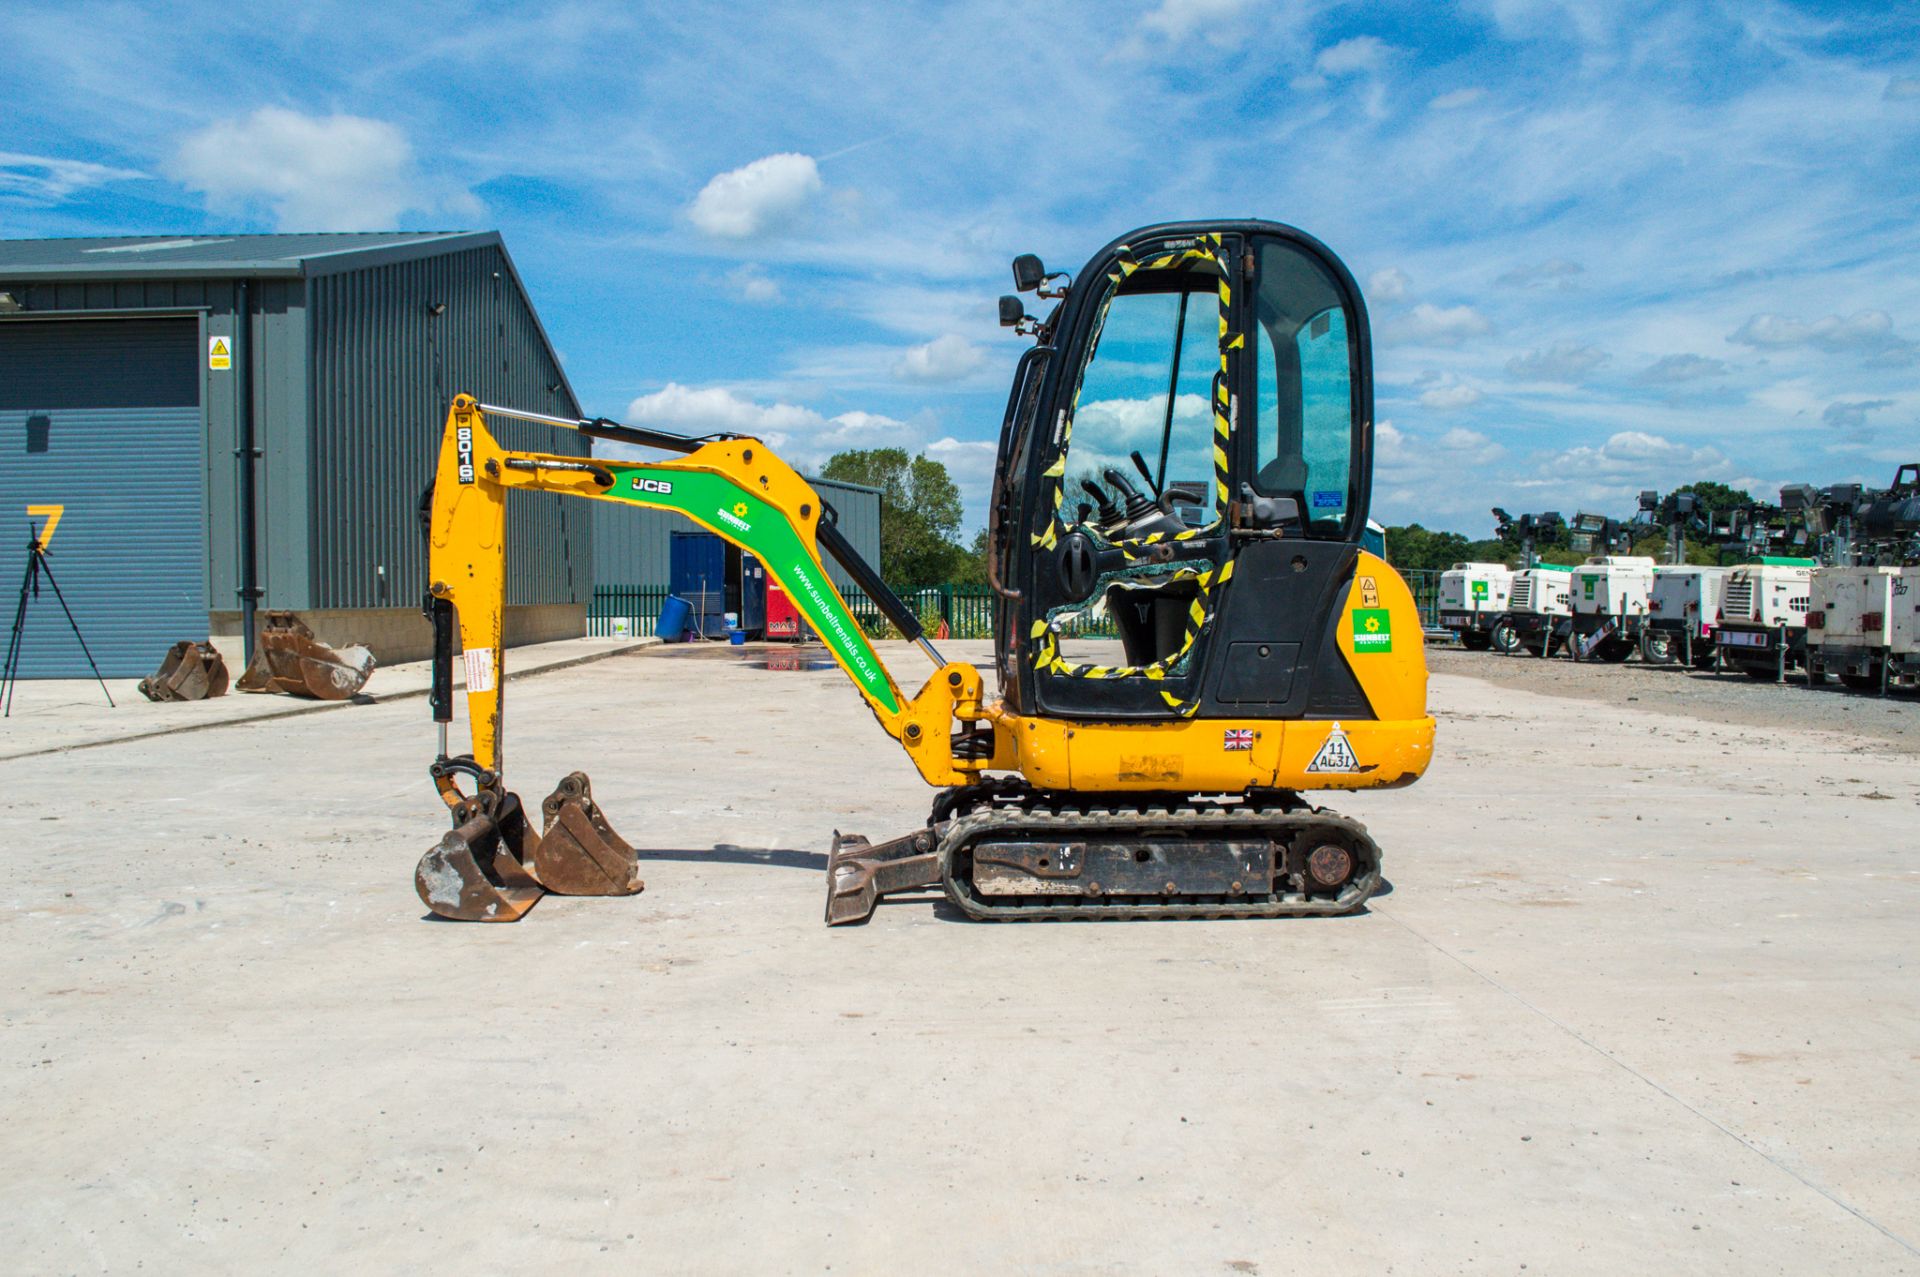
{"points": [[859, 873], [579, 854], [190, 671], [288, 658], [476, 874]]}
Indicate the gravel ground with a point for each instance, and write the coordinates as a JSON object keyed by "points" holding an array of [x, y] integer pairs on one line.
{"points": [[1728, 698]]}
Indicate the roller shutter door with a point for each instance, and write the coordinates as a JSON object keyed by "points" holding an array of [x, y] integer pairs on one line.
{"points": [[102, 418]]}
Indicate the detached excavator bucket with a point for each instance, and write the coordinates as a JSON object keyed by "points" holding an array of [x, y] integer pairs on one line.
{"points": [[579, 854], [288, 658], [190, 671], [478, 872]]}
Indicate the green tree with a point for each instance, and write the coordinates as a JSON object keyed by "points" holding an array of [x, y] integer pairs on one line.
{"points": [[919, 515], [1717, 498]]}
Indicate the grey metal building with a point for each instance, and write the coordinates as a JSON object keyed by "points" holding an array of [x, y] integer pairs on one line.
{"points": [[248, 421]]}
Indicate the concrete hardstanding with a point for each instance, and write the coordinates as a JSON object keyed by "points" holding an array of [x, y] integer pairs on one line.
{"points": [[1676, 1032]]}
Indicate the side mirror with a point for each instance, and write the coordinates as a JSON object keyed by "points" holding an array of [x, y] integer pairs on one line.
{"points": [[1028, 272], [1011, 311]]}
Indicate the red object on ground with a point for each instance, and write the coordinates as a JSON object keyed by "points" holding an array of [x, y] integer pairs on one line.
{"points": [[783, 619]]}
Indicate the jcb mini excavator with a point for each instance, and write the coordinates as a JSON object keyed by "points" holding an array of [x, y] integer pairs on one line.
{"points": [[1207, 389]]}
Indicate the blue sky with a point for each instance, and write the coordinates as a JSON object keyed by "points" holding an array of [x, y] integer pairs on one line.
{"points": [[1606, 245]]}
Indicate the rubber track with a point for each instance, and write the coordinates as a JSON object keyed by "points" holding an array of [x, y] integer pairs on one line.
{"points": [[1038, 814]]}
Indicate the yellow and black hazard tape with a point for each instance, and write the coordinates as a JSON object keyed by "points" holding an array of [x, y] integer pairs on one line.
{"points": [[1047, 657]]}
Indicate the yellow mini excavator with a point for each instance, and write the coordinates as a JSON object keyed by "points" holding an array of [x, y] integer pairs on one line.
{"points": [[1187, 454]]}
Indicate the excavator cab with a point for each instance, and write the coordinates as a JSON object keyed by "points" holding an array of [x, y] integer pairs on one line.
{"points": [[1185, 461], [1193, 466]]}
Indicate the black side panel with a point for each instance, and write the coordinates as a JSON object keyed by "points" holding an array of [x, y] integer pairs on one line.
{"points": [[1285, 597]]}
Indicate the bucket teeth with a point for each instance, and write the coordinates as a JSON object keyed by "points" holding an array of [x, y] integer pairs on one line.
{"points": [[578, 853]]}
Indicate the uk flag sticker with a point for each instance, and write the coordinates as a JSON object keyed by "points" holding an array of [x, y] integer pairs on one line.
{"points": [[1237, 738]]}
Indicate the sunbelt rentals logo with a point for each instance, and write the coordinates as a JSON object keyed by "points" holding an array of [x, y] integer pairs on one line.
{"points": [[1372, 630]]}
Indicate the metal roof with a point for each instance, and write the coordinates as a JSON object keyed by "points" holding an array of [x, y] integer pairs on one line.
{"points": [[203, 256]]}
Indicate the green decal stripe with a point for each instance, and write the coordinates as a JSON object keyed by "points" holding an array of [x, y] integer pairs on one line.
{"points": [[724, 507]]}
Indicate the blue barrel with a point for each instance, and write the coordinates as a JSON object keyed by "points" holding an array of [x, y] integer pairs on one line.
{"points": [[671, 624]]}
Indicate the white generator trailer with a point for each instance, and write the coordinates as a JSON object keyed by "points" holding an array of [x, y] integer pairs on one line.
{"points": [[1612, 595], [1682, 614], [1763, 617], [1850, 625], [1539, 610], [1472, 597], [1903, 652]]}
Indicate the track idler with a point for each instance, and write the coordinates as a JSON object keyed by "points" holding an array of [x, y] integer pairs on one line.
{"points": [[492, 867]]}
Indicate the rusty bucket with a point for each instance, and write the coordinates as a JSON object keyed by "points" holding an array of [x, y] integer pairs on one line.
{"points": [[579, 854], [288, 658], [492, 867], [189, 671], [478, 872]]}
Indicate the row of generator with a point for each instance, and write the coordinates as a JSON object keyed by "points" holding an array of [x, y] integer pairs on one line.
{"points": [[1860, 624]]}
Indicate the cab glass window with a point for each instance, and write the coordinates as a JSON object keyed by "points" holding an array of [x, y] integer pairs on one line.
{"points": [[1145, 389], [1303, 413]]}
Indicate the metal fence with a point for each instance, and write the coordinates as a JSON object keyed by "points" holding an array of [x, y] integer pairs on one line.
{"points": [[966, 610], [624, 610]]}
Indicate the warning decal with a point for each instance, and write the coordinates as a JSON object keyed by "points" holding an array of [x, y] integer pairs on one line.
{"points": [[479, 669], [219, 353], [1336, 755]]}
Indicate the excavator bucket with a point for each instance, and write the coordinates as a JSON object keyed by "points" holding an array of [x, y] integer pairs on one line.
{"points": [[492, 867], [288, 658], [579, 854], [478, 872], [190, 671]]}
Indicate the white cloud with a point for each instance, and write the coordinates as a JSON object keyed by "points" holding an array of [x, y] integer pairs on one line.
{"points": [[946, 358], [1556, 273], [1564, 361], [1389, 285], [1458, 98], [1866, 332], [46, 179], [1903, 88], [314, 173], [1450, 396], [1673, 370], [1645, 457], [1352, 56], [758, 198], [1175, 20], [751, 283], [1438, 326]]}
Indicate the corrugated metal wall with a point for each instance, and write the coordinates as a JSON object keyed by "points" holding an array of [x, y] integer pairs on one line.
{"points": [[383, 370], [630, 546]]}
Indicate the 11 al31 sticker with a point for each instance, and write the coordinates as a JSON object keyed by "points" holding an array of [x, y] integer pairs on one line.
{"points": [[1336, 754]]}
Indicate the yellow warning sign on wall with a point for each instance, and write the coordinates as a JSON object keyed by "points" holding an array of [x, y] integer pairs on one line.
{"points": [[219, 353]]}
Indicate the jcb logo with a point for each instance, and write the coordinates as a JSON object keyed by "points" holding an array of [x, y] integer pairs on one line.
{"points": [[463, 443], [660, 486]]}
